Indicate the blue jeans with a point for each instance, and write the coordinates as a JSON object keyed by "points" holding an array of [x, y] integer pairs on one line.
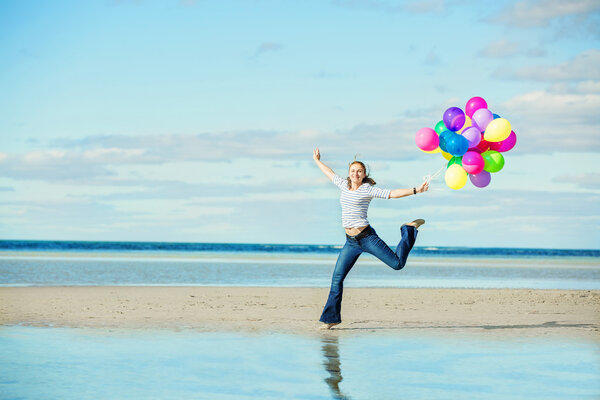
{"points": [[349, 254]]}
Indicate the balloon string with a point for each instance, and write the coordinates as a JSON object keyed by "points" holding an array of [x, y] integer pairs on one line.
{"points": [[429, 178]]}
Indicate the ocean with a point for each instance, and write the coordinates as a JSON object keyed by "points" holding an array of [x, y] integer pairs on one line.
{"points": [[83, 263], [85, 363]]}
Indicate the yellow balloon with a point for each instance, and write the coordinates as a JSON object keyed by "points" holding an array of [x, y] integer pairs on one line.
{"points": [[436, 150], [468, 124], [497, 130], [456, 177], [447, 156]]}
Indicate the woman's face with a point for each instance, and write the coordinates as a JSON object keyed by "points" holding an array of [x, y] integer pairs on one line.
{"points": [[356, 173]]}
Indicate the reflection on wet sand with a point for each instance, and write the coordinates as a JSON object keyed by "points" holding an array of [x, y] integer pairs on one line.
{"points": [[331, 363]]}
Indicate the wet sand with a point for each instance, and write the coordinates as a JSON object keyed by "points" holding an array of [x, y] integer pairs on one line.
{"points": [[493, 312]]}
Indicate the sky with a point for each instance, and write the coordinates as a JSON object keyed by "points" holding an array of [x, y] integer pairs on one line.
{"points": [[195, 121]]}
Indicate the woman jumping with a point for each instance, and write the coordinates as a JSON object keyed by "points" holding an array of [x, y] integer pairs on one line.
{"points": [[356, 193]]}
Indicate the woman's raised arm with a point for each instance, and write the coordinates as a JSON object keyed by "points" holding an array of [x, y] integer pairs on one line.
{"points": [[326, 170], [397, 193]]}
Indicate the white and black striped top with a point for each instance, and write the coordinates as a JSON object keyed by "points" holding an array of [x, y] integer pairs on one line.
{"points": [[355, 203]]}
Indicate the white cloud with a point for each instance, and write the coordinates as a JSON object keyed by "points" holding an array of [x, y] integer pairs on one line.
{"points": [[500, 49], [42, 156], [149, 189], [562, 118], [588, 180], [51, 165], [108, 155], [561, 108], [536, 52], [504, 49], [267, 47], [547, 121], [425, 6], [206, 146], [540, 13], [390, 6], [95, 157], [588, 87], [582, 67]]}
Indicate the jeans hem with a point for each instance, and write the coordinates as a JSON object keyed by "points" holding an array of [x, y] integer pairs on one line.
{"points": [[330, 322]]}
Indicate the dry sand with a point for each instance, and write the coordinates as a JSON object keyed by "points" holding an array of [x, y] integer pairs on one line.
{"points": [[503, 312]]}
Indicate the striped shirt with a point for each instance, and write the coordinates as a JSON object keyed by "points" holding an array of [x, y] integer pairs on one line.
{"points": [[355, 203]]}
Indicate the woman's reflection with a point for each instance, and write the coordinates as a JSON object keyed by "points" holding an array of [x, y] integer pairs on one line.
{"points": [[332, 365]]}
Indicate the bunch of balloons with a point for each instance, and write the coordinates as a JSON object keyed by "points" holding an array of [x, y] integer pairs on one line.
{"points": [[472, 141]]}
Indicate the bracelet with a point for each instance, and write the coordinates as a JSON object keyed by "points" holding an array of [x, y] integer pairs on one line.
{"points": [[414, 190]]}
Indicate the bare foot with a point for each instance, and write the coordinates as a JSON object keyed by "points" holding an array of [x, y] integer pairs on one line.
{"points": [[328, 326], [416, 223]]}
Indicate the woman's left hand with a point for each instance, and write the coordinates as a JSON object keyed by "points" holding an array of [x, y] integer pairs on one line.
{"points": [[423, 188]]}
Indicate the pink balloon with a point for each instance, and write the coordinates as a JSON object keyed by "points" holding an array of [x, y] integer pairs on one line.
{"points": [[473, 162], [473, 135], [427, 139], [474, 104], [482, 118], [506, 144], [481, 179]]}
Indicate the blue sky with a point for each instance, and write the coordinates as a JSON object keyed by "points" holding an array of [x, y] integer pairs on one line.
{"points": [[195, 120]]}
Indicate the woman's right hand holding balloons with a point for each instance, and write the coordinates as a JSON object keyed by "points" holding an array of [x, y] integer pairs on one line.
{"points": [[423, 188]]}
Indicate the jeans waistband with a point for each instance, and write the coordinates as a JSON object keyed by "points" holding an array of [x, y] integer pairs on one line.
{"points": [[365, 232]]}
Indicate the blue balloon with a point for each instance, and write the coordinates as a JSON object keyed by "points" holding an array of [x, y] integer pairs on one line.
{"points": [[496, 116], [444, 136], [457, 145]]}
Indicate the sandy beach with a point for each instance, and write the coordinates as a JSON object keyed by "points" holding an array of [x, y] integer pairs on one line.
{"points": [[503, 312]]}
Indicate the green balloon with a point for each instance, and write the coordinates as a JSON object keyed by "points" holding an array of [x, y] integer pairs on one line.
{"points": [[494, 161], [440, 127], [455, 160]]}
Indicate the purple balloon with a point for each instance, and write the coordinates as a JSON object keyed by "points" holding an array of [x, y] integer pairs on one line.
{"points": [[454, 118], [481, 118], [473, 135], [481, 179]]}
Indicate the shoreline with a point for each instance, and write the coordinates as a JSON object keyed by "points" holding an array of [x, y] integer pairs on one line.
{"points": [[491, 312]]}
